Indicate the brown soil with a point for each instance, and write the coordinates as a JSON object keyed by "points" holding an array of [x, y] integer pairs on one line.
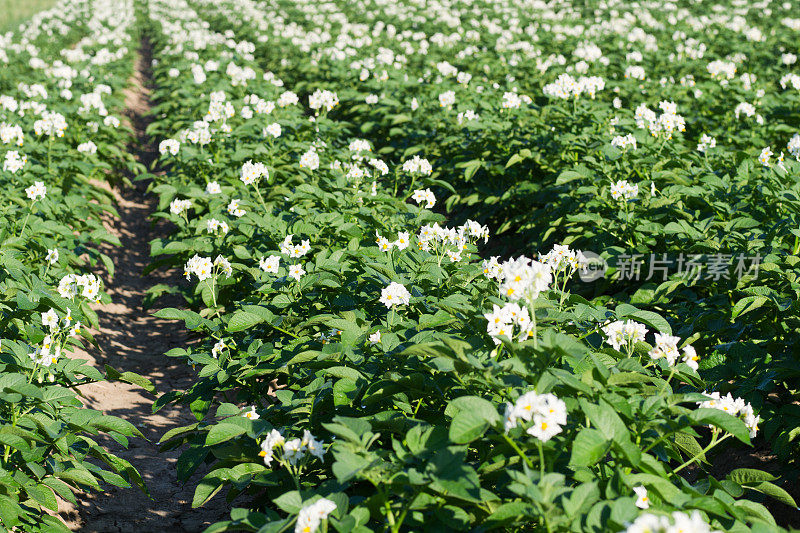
{"points": [[131, 339]]}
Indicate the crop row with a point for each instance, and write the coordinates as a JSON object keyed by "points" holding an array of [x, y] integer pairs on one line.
{"points": [[393, 375], [61, 140]]}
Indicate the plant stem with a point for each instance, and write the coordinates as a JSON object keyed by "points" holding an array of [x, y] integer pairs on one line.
{"points": [[541, 459], [518, 450], [714, 442], [261, 199], [25, 224]]}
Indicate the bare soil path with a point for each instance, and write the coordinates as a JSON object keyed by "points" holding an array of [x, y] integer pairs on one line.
{"points": [[131, 339]]}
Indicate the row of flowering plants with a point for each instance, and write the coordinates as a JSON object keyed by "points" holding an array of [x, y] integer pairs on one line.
{"points": [[361, 362], [61, 78], [670, 153]]}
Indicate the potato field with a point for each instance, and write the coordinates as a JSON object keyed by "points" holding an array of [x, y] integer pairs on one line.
{"points": [[404, 266]]}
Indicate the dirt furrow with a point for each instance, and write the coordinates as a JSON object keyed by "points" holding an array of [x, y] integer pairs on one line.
{"points": [[131, 339]]}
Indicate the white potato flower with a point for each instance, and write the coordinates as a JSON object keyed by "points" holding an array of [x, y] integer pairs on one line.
{"points": [[394, 295]]}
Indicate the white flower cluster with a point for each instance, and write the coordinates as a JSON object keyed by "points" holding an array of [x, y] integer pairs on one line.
{"points": [[642, 501], [424, 195], [270, 264], [251, 172], [380, 166], [273, 130], [467, 116], [198, 134], [359, 145], [11, 134], [213, 225], [52, 344], [311, 516], [294, 250], [218, 108], [447, 99], [635, 72], [650, 523], [764, 156], [790, 79], [87, 148], [14, 162], [794, 146], [385, 245], [216, 351], [440, 239], [626, 334], [240, 75], [37, 191], [623, 142], [51, 124], [204, 268], [622, 190], [523, 278], [178, 206], [735, 407], [418, 165], [87, 285], [512, 100], [310, 159], [546, 412], [744, 108], [395, 294], [287, 98], [492, 268], [706, 143], [503, 320], [233, 208], [93, 100], [660, 126], [294, 450], [667, 347], [566, 86], [723, 70], [562, 257], [322, 98], [170, 146]]}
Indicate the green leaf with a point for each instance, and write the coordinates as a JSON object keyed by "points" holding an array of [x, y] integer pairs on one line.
{"points": [[289, 502], [467, 426], [648, 318], [223, 432], [129, 377], [514, 159], [43, 495], [774, 492], [209, 486], [81, 476], [747, 304], [721, 420], [471, 168], [242, 320], [588, 447], [744, 476], [170, 313]]}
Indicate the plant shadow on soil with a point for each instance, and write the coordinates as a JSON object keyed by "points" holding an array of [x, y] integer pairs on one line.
{"points": [[132, 339]]}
